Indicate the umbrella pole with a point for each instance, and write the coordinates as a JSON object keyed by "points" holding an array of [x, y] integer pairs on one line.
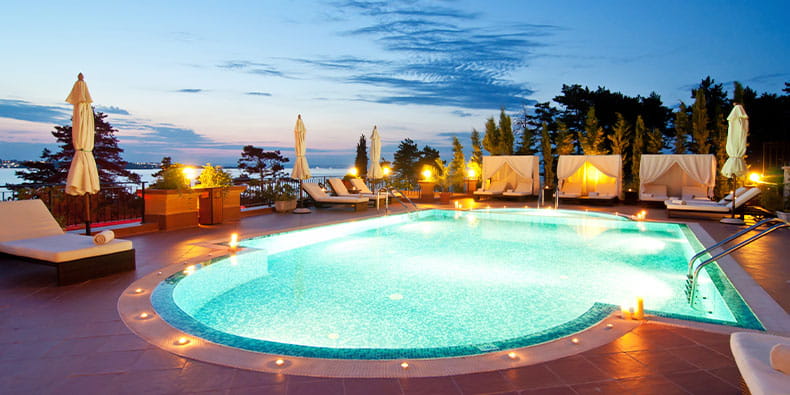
{"points": [[732, 220], [87, 214], [301, 209]]}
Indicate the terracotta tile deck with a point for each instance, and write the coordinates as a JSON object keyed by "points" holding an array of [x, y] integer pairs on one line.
{"points": [[68, 340]]}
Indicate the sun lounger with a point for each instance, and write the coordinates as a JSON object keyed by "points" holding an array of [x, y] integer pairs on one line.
{"points": [[523, 189], [570, 190], [497, 188], [694, 193], [723, 206], [340, 190], [320, 197], [752, 354], [361, 186], [30, 232]]}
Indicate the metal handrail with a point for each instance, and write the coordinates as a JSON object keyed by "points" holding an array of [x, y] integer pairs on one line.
{"points": [[400, 195], [691, 281], [727, 240]]}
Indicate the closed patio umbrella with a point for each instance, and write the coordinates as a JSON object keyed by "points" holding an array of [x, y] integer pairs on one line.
{"points": [[301, 170], [374, 170], [735, 166], [83, 178]]}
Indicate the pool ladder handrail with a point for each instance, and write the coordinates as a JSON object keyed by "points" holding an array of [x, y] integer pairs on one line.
{"points": [[691, 277], [398, 194]]}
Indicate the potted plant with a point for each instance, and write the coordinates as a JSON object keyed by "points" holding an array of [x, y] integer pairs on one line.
{"points": [[284, 197], [170, 202], [443, 181], [219, 200]]}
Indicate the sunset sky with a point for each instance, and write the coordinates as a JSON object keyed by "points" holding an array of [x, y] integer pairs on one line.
{"points": [[197, 80]]}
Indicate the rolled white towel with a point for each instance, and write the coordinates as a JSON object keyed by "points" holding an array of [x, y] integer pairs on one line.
{"points": [[592, 194], [780, 358], [104, 237], [675, 201]]}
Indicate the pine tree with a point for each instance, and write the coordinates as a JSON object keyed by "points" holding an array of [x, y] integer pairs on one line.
{"points": [[106, 152], [456, 168], [564, 143], [264, 164], [405, 161], [506, 137], [492, 137], [548, 156], [361, 161], [637, 148], [527, 141], [44, 171], [654, 141], [477, 149], [682, 129], [699, 124], [621, 132], [592, 138]]}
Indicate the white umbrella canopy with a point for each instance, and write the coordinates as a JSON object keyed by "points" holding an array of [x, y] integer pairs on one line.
{"points": [[83, 175], [738, 130], [374, 170], [301, 170], [735, 166]]}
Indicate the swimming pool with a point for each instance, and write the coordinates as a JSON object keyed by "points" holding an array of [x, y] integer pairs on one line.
{"points": [[441, 283]]}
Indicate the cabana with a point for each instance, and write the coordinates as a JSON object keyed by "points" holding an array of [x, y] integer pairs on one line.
{"points": [[590, 176], [687, 177], [517, 171]]}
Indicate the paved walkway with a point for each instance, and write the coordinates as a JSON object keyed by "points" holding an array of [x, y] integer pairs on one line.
{"points": [[66, 340]]}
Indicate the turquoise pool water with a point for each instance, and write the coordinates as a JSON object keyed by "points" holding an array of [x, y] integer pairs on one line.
{"points": [[441, 283]]}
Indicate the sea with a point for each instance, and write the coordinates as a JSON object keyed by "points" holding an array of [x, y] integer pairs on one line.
{"points": [[8, 175]]}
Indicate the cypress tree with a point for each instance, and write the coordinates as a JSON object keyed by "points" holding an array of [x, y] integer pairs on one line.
{"points": [[619, 137], [591, 138], [637, 148], [492, 137], [506, 137], [564, 143], [699, 124], [682, 129], [548, 156], [456, 167], [361, 160]]}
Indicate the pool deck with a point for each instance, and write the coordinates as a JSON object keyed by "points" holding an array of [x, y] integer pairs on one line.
{"points": [[72, 340]]}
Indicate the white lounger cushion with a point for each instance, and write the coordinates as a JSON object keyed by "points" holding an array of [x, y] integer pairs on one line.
{"points": [[359, 184], [26, 219], [496, 188], [654, 192], [63, 247], [320, 196], [694, 193], [752, 353], [524, 188], [713, 207]]}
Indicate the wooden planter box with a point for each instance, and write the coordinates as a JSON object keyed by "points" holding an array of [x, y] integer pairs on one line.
{"points": [[284, 206], [171, 209], [221, 204]]}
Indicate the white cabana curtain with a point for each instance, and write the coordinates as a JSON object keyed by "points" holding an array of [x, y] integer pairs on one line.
{"points": [[83, 175], [700, 168], [524, 167], [609, 165]]}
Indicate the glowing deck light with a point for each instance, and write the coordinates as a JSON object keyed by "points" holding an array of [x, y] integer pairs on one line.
{"points": [[512, 355], [396, 297], [279, 362], [234, 241], [189, 270], [609, 326], [182, 341], [575, 340], [138, 291], [404, 365], [333, 336], [639, 312], [143, 316]]}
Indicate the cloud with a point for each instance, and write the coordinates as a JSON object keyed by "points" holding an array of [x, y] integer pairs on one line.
{"points": [[112, 110], [26, 111], [190, 90], [252, 68], [462, 114], [460, 135], [258, 93]]}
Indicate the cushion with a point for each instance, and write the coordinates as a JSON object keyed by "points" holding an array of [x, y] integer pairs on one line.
{"points": [[62, 248], [694, 192], [359, 184], [752, 353], [314, 190], [338, 186], [25, 219], [654, 189], [780, 358], [524, 186], [593, 194]]}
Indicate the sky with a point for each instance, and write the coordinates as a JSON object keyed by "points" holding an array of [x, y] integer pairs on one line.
{"points": [[198, 80]]}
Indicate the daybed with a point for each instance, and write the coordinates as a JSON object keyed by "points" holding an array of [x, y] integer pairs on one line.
{"points": [[320, 197], [590, 176], [523, 189], [516, 171], [497, 188], [673, 177], [723, 206], [30, 232], [752, 354]]}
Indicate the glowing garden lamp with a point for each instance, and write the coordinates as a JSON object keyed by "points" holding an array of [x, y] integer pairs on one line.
{"points": [[470, 173], [190, 173], [386, 170], [426, 174], [755, 178], [353, 172]]}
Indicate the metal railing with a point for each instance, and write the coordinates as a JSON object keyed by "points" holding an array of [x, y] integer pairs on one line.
{"points": [[691, 276]]}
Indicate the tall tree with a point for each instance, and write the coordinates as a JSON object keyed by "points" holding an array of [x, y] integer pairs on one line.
{"points": [[477, 149], [637, 147], [527, 139], [361, 161], [499, 139], [109, 162], [699, 124], [428, 157], [405, 162], [44, 171], [654, 141], [457, 165], [564, 143], [492, 137], [682, 129], [621, 133], [255, 161], [548, 155], [591, 138]]}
